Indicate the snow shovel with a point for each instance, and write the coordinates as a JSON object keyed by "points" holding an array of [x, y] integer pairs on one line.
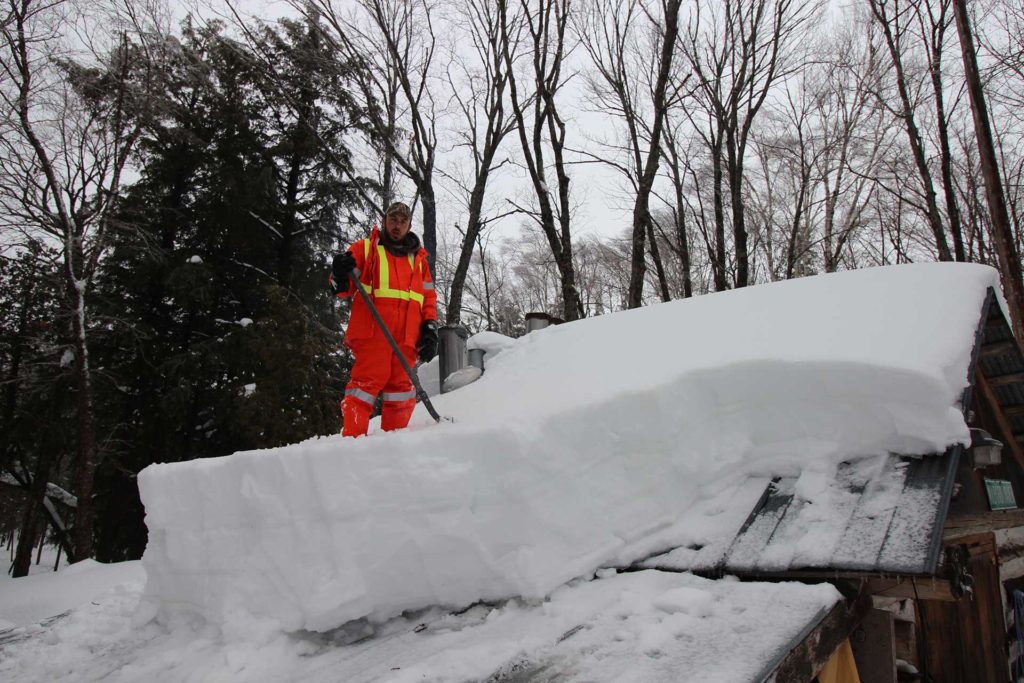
{"points": [[420, 394]]}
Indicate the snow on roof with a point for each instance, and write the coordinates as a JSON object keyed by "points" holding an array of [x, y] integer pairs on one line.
{"points": [[584, 445], [642, 626]]}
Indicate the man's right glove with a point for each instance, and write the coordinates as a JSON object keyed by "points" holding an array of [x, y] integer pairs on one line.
{"points": [[342, 265], [427, 345]]}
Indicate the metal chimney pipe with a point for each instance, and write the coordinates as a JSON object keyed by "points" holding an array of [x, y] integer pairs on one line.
{"points": [[537, 321], [476, 358], [451, 350]]}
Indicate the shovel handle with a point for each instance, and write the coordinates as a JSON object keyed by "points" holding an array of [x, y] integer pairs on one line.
{"points": [[420, 393]]}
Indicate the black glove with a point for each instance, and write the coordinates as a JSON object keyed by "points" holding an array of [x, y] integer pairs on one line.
{"points": [[428, 341], [342, 265]]}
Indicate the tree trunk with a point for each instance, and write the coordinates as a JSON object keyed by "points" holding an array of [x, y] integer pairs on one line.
{"points": [[426, 189], [734, 162], [659, 267], [31, 519], [718, 263], [1002, 234], [476, 202], [949, 189], [85, 471]]}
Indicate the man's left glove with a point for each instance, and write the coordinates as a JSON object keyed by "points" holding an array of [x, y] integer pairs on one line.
{"points": [[427, 345]]}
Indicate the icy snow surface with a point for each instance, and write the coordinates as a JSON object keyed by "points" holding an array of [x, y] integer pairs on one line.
{"points": [[646, 627], [584, 445]]}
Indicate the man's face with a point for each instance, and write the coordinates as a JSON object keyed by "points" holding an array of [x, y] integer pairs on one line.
{"points": [[397, 225]]}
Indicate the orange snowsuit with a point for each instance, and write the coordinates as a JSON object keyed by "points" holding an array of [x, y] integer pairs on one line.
{"points": [[402, 289]]}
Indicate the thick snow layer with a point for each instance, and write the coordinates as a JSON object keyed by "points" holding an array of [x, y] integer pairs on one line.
{"points": [[583, 445], [647, 626]]}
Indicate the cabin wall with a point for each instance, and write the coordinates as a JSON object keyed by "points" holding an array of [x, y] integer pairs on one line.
{"points": [[965, 640]]}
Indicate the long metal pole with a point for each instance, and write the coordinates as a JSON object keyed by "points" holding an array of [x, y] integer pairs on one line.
{"points": [[422, 395]]}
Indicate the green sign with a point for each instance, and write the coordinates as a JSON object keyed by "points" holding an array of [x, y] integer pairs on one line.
{"points": [[1000, 494]]}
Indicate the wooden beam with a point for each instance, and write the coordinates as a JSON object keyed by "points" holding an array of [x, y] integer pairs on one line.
{"points": [[874, 647], [1007, 379], [957, 527], [989, 396], [1014, 411], [998, 348], [926, 588], [806, 659]]}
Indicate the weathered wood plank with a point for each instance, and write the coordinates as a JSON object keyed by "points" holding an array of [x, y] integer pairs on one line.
{"points": [[806, 659], [1007, 379], [874, 647], [966, 525], [963, 640], [998, 348], [989, 396], [905, 587]]}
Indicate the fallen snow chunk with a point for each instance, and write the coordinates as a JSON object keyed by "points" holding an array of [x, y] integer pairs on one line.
{"points": [[249, 389], [461, 378], [245, 322], [195, 259], [67, 358]]}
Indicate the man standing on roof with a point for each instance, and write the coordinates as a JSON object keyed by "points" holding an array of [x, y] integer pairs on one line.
{"points": [[393, 270]]}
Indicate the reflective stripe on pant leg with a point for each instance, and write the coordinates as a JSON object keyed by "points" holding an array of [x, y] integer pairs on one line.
{"points": [[399, 395], [369, 375]]}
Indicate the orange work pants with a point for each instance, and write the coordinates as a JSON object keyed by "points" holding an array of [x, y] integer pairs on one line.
{"points": [[377, 369]]}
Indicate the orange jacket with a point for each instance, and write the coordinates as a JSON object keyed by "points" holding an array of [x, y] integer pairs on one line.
{"points": [[401, 287]]}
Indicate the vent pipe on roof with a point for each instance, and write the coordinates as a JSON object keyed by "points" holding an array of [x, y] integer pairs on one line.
{"points": [[476, 358], [540, 320], [451, 351]]}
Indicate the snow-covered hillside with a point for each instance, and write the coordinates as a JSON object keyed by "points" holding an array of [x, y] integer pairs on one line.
{"points": [[582, 446], [589, 445]]}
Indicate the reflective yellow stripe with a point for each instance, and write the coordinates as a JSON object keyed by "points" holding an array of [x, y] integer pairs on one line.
{"points": [[384, 279], [366, 256], [384, 269]]}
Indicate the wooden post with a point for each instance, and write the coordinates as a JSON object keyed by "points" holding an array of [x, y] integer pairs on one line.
{"points": [[874, 647], [1002, 232]]}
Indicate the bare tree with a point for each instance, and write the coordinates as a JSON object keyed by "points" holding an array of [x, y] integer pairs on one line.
{"points": [[934, 17], [620, 37], [480, 93], [395, 42], [69, 131], [544, 43], [739, 50], [893, 19]]}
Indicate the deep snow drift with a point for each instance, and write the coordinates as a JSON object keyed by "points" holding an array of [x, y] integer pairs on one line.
{"points": [[582, 446]]}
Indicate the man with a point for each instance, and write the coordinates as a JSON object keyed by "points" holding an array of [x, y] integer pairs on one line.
{"points": [[393, 270]]}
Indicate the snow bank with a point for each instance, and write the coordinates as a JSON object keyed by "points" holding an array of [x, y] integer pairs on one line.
{"points": [[582, 446]]}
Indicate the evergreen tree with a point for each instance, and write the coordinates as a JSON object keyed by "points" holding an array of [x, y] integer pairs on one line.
{"points": [[223, 334]]}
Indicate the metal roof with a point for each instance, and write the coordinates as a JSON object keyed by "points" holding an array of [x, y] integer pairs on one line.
{"points": [[887, 520]]}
